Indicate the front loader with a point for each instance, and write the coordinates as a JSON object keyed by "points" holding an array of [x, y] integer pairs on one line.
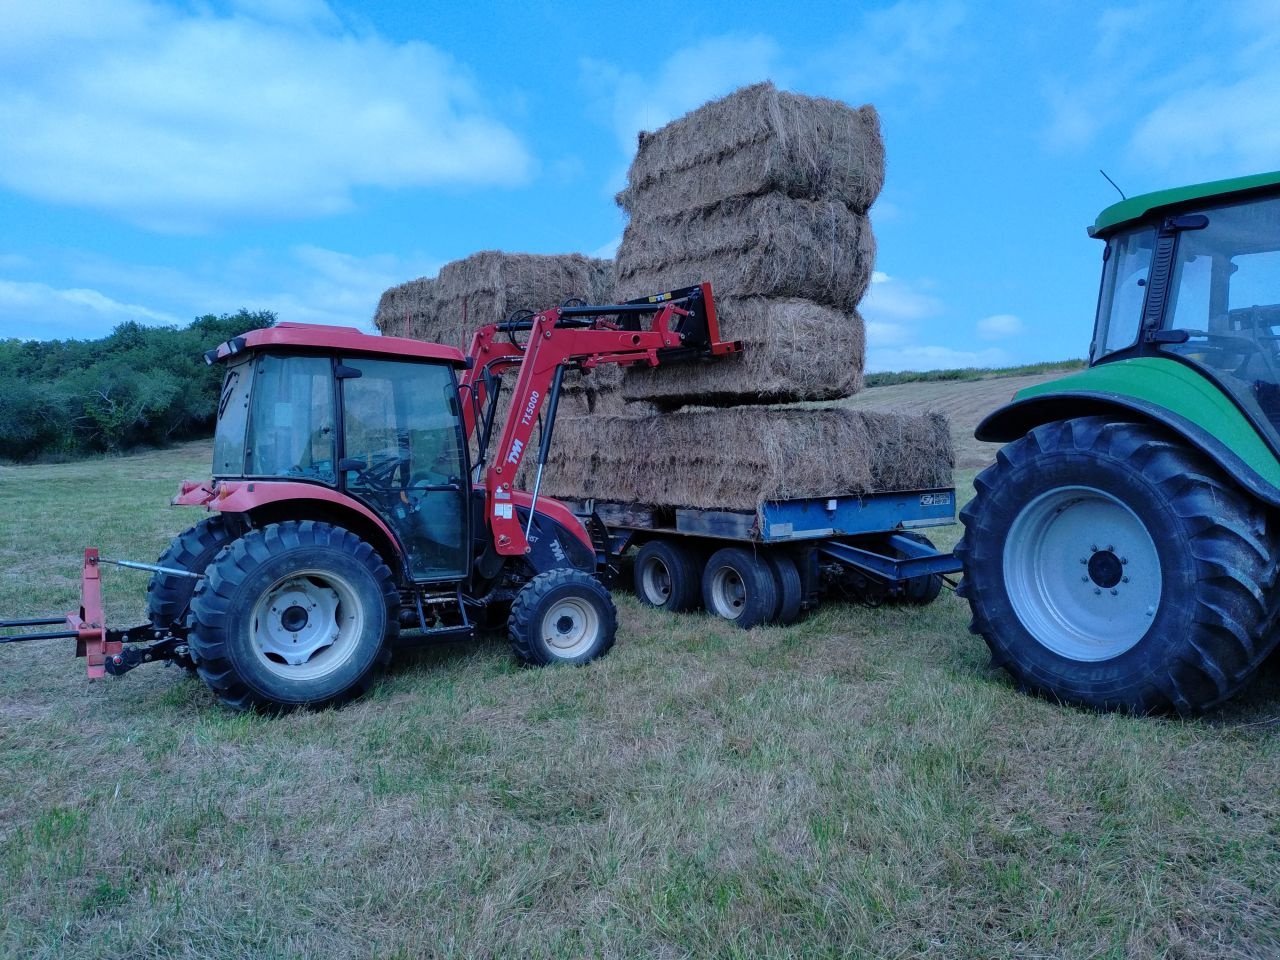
{"points": [[1121, 552], [346, 503]]}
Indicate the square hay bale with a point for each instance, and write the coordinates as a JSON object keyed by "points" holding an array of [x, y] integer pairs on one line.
{"points": [[736, 458], [488, 287], [767, 246], [758, 140], [407, 310], [792, 350]]}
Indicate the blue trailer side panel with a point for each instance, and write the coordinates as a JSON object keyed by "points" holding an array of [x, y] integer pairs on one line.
{"points": [[808, 519]]}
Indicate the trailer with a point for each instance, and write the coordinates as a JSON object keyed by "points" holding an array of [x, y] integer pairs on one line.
{"points": [[775, 563]]}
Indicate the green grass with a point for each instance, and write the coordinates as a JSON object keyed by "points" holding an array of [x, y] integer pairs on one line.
{"points": [[888, 378], [860, 784]]}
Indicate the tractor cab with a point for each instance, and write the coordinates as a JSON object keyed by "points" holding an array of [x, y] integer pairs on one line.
{"points": [[1193, 275], [373, 419]]}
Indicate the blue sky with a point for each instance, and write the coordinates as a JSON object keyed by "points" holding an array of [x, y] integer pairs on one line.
{"points": [[159, 161]]}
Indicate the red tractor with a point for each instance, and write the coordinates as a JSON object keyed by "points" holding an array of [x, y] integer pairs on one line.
{"points": [[355, 492]]}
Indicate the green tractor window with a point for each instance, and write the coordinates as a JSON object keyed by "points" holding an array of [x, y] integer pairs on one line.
{"points": [[1225, 295], [1124, 288]]}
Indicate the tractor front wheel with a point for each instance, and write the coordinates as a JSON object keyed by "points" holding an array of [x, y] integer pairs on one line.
{"points": [[1109, 565], [562, 616], [295, 614]]}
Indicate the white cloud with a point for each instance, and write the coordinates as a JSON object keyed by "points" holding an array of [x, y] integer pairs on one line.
{"points": [[607, 251], [645, 100], [37, 311], [898, 46], [999, 326], [304, 284], [893, 309], [1214, 130], [933, 358], [177, 121]]}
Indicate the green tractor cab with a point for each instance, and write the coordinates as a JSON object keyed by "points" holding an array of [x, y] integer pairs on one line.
{"points": [[1121, 552]]}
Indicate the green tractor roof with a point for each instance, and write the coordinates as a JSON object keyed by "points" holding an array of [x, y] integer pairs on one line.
{"points": [[1133, 208]]}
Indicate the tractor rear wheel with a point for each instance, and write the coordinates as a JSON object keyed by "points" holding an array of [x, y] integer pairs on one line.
{"points": [[295, 614], [1109, 565], [562, 616], [668, 576]]}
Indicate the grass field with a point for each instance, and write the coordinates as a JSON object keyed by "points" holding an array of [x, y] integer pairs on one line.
{"points": [[860, 784]]}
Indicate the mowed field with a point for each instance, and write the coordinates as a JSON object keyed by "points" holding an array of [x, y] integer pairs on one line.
{"points": [[858, 785]]}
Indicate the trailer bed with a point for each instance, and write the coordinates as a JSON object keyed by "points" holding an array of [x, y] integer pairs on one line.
{"points": [[785, 521]]}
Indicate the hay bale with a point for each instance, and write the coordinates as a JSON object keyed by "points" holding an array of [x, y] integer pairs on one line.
{"points": [[792, 350], [758, 140], [407, 311], [736, 458], [488, 287], [767, 246]]}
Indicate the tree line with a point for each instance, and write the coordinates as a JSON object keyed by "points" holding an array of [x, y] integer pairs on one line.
{"points": [[139, 386]]}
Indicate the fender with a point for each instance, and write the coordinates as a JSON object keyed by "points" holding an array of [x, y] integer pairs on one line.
{"points": [[248, 496], [1155, 390]]}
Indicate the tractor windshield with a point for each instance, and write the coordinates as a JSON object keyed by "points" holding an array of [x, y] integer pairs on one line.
{"points": [[1225, 296], [276, 419]]}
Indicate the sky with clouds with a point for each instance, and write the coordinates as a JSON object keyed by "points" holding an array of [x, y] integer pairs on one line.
{"points": [[163, 160]]}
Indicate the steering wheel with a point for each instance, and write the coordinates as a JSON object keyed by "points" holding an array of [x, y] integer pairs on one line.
{"points": [[381, 468]]}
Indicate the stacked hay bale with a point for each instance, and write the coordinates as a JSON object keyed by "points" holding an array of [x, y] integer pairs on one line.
{"points": [[490, 286], [765, 194]]}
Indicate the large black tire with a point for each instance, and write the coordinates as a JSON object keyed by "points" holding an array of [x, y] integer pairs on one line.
{"points": [[739, 586], [169, 596], [790, 588], [668, 575], [295, 614], [562, 616], [1109, 565]]}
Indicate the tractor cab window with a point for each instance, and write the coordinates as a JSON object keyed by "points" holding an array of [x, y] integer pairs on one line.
{"points": [[1225, 296], [291, 419], [404, 455], [1124, 290], [233, 419]]}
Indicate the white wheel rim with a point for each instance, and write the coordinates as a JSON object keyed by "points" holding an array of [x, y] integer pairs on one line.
{"points": [[1082, 573], [728, 593], [306, 625], [655, 580], [570, 628]]}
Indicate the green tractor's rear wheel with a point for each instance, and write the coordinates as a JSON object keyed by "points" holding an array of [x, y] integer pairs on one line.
{"points": [[1109, 565]]}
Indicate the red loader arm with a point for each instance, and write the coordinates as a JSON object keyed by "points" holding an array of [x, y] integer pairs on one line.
{"points": [[684, 327]]}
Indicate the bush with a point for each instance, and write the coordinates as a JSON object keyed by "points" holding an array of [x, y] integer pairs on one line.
{"points": [[139, 386]]}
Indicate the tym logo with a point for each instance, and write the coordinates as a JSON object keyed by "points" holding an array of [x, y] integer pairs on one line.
{"points": [[530, 408], [514, 455], [557, 549]]}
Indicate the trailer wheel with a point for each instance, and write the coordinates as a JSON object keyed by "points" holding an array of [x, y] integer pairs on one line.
{"points": [[790, 589], [562, 616], [921, 590], [1108, 565], [668, 576], [295, 614], [739, 587]]}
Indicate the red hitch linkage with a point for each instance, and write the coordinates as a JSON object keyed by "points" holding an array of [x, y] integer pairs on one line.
{"points": [[86, 626], [90, 622]]}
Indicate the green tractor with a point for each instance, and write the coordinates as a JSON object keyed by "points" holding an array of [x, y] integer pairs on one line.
{"points": [[1121, 552]]}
